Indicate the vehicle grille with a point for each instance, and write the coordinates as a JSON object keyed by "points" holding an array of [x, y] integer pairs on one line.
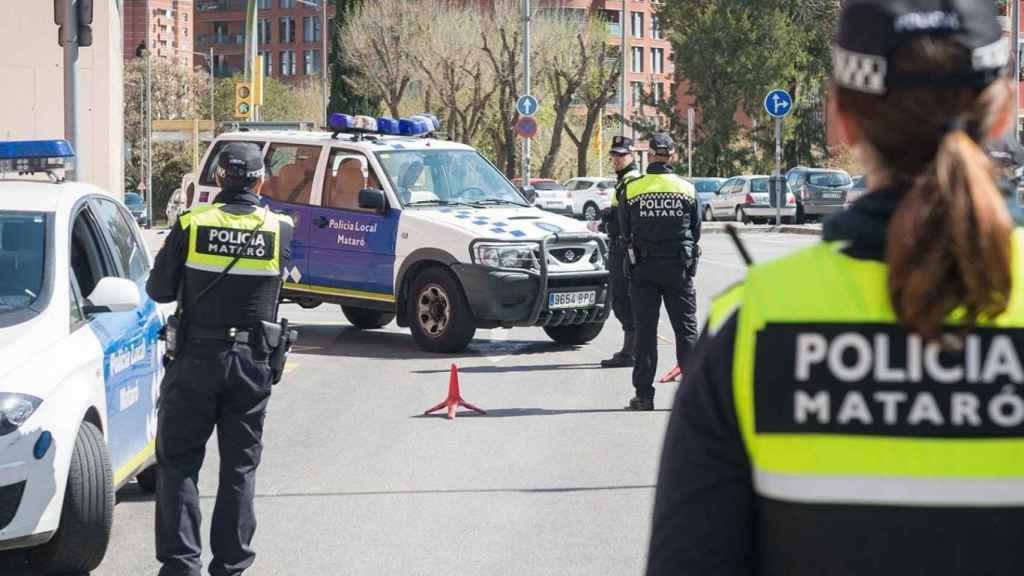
{"points": [[10, 500], [568, 255], [572, 317]]}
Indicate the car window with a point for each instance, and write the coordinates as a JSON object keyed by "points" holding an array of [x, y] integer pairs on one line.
{"points": [[76, 315], [606, 185], [828, 179], [793, 179], [290, 172], [128, 248], [347, 174], [706, 186], [88, 262], [210, 170], [759, 185], [22, 260], [547, 185], [732, 186]]}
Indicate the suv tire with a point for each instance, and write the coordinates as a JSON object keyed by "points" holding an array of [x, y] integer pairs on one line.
{"points": [[574, 335], [80, 542], [440, 318], [591, 212], [366, 319]]}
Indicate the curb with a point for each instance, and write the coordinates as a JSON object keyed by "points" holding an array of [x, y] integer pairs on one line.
{"points": [[798, 230]]}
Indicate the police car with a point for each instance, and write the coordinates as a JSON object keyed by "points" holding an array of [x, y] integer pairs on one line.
{"points": [[392, 223], [79, 360]]}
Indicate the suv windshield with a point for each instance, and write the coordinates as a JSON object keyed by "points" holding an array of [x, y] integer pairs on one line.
{"points": [[828, 179], [22, 261], [133, 199], [446, 177]]}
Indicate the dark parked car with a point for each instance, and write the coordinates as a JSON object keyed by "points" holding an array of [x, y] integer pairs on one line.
{"points": [[859, 188], [137, 206], [819, 191]]}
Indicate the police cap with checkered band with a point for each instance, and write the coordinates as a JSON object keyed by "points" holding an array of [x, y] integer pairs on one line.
{"points": [[870, 32], [240, 164]]}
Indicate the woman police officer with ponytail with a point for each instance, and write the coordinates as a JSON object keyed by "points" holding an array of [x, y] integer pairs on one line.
{"points": [[855, 407]]}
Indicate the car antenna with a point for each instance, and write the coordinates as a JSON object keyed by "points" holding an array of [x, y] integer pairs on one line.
{"points": [[740, 247]]}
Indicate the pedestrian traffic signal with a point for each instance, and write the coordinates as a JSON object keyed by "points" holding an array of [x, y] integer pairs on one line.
{"points": [[243, 100]]}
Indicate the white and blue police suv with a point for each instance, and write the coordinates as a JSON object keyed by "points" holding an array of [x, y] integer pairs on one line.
{"points": [[392, 223], [79, 360]]}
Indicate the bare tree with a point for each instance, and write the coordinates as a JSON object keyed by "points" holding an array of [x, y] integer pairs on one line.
{"points": [[502, 43], [601, 65], [563, 74], [380, 39]]}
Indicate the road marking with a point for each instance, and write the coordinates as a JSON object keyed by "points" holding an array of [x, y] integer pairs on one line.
{"points": [[290, 367], [665, 340], [723, 264]]}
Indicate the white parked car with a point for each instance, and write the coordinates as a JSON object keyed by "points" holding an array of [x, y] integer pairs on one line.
{"points": [[180, 199], [590, 195], [426, 232], [747, 199], [80, 361]]}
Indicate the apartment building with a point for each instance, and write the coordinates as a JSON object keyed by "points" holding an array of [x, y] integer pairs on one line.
{"points": [[289, 34], [167, 24]]}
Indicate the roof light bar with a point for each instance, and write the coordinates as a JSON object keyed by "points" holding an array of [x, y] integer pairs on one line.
{"points": [[417, 125], [28, 156]]}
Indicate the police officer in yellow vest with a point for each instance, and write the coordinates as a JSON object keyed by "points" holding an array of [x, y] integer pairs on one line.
{"points": [[662, 230], [855, 407], [224, 340], [625, 171]]}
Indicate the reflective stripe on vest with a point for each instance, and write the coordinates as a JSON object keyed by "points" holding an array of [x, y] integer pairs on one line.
{"points": [[624, 181], [217, 237], [838, 404], [660, 184]]}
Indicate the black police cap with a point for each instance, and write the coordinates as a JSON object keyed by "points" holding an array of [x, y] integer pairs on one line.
{"points": [[241, 162], [662, 143], [870, 31], [622, 145]]}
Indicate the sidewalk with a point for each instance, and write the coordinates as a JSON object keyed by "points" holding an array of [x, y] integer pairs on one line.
{"points": [[802, 229]]}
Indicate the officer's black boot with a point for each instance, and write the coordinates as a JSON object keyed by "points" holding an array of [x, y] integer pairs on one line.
{"points": [[623, 358], [641, 404]]}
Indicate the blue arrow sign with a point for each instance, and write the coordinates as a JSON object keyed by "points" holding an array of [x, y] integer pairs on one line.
{"points": [[778, 103], [527, 105]]}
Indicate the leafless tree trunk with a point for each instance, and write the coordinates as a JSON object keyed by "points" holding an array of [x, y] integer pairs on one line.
{"points": [[602, 72]]}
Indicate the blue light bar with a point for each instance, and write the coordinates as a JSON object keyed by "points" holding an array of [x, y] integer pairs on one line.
{"points": [[413, 126], [341, 122], [29, 156], [388, 125]]}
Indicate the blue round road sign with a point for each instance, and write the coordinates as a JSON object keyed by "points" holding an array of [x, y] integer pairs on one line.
{"points": [[526, 127], [778, 103], [527, 105]]}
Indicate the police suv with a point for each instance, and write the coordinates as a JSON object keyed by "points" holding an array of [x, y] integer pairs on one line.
{"points": [[392, 223], [79, 360]]}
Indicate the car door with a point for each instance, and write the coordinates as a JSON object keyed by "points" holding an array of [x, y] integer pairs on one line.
{"points": [[132, 367], [352, 250], [722, 202], [288, 189]]}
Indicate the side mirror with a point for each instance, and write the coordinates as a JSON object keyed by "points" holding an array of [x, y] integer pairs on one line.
{"points": [[113, 294], [372, 199], [530, 193]]}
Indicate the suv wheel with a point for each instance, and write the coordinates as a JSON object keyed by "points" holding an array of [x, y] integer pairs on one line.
{"points": [[741, 215], [82, 536], [709, 216], [439, 315], [591, 212]]}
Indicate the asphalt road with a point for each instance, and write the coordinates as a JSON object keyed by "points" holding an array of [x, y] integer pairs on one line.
{"points": [[556, 479]]}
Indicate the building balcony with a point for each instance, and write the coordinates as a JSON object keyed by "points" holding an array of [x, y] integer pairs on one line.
{"points": [[204, 6], [220, 40]]}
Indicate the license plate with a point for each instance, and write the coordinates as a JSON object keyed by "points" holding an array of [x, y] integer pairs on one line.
{"points": [[572, 299], [831, 196]]}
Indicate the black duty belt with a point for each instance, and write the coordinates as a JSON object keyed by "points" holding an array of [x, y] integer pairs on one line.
{"points": [[235, 335]]}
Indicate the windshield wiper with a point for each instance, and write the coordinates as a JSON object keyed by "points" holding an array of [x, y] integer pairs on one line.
{"points": [[500, 201], [438, 203]]}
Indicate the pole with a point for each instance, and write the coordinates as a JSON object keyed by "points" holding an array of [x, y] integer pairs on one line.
{"points": [[72, 122], [526, 85], [148, 127], [689, 141], [625, 54], [1015, 42], [324, 32], [251, 47], [778, 172], [213, 88]]}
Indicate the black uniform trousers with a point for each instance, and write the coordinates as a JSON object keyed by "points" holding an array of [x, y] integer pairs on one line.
{"points": [[210, 384], [622, 306], [652, 281]]}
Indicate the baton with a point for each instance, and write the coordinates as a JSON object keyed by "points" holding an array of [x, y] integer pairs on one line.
{"points": [[735, 235]]}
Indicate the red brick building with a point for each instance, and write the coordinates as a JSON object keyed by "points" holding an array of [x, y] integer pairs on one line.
{"points": [[170, 28], [289, 36]]}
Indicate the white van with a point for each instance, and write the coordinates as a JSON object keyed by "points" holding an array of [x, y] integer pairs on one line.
{"points": [[424, 231]]}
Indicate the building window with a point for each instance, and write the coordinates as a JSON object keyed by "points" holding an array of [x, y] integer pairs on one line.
{"points": [[218, 65], [263, 4], [268, 63], [312, 62], [659, 92], [310, 29], [286, 32], [220, 33], [638, 59], [638, 93], [287, 62], [612, 20], [655, 28], [286, 4], [263, 31], [658, 60], [638, 24]]}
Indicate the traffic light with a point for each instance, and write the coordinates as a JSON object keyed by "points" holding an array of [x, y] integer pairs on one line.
{"points": [[243, 100], [82, 17]]}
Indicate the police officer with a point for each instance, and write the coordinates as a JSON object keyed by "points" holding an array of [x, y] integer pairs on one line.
{"points": [[855, 407], [662, 216], [625, 170], [223, 264]]}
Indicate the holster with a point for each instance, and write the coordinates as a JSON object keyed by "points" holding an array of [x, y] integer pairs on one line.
{"points": [[693, 258], [173, 335], [279, 339]]}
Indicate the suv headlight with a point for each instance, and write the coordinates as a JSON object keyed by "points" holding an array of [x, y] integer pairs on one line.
{"points": [[15, 409], [516, 256]]}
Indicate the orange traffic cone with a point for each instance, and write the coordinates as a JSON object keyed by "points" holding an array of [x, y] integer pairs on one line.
{"points": [[673, 375], [454, 399]]}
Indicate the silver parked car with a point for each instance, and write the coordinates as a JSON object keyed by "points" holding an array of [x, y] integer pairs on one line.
{"points": [[747, 199]]}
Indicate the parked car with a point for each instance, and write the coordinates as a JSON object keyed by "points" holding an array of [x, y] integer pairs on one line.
{"points": [[180, 199], [859, 188], [590, 195], [137, 207], [746, 199], [819, 191], [706, 187], [550, 195]]}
